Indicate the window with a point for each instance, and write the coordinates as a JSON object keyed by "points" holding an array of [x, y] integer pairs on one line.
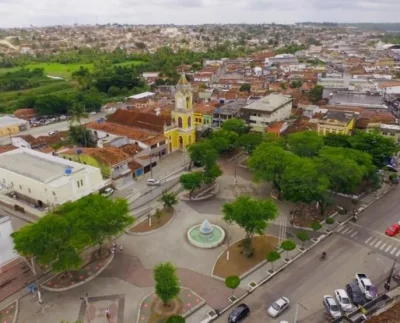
{"points": [[78, 184], [54, 193], [81, 182], [392, 134], [189, 122], [29, 190], [20, 187], [180, 122]]}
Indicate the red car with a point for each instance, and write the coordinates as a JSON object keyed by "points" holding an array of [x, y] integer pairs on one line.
{"points": [[393, 230]]}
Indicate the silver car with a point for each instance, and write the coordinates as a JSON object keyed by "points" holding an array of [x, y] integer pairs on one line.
{"points": [[331, 306], [344, 300]]}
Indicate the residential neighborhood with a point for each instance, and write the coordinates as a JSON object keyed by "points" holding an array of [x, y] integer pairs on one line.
{"points": [[233, 173]]}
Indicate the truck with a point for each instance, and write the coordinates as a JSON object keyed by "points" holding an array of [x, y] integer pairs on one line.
{"points": [[366, 286]]}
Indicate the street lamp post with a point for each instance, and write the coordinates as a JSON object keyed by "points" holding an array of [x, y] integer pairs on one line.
{"points": [[39, 295]]}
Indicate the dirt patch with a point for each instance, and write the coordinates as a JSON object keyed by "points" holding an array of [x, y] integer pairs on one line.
{"points": [[159, 313], [238, 264], [155, 222], [305, 214], [390, 316]]}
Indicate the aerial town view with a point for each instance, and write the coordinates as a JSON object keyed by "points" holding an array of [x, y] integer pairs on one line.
{"points": [[199, 161]]}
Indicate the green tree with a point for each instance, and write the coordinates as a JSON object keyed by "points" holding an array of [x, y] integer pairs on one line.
{"points": [[249, 141], [343, 173], [302, 181], [232, 282], [268, 163], [315, 225], [288, 245], [52, 241], [167, 285], [223, 140], [99, 217], [296, 84], [210, 174], [303, 237], [315, 94], [81, 137], [335, 140], [28, 101], [175, 319], [191, 182], [245, 87], [379, 147], [252, 215], [169, 199], [113, 91], [158, 215], [204, 153], [77, 113], [273, 256], [235, 125], [305, 144]]}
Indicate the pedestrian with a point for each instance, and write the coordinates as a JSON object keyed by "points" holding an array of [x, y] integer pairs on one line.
{"points": [[121, 248], [114, 245], [108, 313]]}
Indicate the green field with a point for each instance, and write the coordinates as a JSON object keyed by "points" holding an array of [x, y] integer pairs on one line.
{"points": [[61, 70]]}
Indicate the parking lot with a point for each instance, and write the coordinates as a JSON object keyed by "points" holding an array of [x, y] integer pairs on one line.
{"points": [[308, 279]]}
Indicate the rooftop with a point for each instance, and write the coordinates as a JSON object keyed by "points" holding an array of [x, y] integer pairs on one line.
{"points": [[10, 121], [36, 166], [142, 95], [269, 103], [108, 155], [341, 116]]}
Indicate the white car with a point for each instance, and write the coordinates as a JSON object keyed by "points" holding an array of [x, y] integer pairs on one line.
{"points": [[279, 307], [344, 300], [153, 182], [107, 192], [332, 307]]}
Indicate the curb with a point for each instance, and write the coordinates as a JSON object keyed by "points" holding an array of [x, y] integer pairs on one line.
{"points": [[50, 289], [151, 231], [182, 198], [321, 238], [16, 309]]}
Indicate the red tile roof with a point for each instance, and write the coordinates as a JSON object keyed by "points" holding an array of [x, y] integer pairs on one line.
{"points": [[108, 155], [5, 148]]}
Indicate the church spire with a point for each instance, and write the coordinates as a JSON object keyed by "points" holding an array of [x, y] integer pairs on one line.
{"points": [[183, 84]]}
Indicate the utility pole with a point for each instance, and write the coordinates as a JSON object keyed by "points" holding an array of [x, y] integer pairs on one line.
{"points": [[39, 295], [151, 163]]}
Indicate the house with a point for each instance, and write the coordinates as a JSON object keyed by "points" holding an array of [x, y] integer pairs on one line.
{"points": [[11, 125], [336, 122], [276, 128], [269, 109], [371, 120], [41, 143], [391, 131], [228, 111], [112, 162], [203, 113], [390, 87], [46, 180]]}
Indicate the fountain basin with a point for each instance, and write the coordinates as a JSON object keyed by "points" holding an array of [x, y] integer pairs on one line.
{"points": [[206, 239]]}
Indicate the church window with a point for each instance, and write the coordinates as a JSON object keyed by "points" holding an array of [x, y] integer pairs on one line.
{"points": [[180, 122], [189, 122]]}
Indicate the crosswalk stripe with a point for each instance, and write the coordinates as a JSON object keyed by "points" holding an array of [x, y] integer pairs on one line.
{"points": [[388, 248], [344, 231], [354, 234], [393, 250], [340, 229], [378, 244], [383, 246], [372, 242], [398, 253], [366, 241]]}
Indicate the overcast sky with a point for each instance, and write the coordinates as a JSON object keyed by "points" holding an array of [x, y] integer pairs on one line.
{"points": [[22, 13]]}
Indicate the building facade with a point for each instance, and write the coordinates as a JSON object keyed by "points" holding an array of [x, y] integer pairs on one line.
{"points": [[336, 122], [181, 133]]}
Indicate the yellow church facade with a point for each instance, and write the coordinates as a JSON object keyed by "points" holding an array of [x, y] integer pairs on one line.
{"points": [[182, 132]]}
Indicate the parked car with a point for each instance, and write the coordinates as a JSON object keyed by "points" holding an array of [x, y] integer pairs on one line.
{"points": [[107, 192], [393, 230], [239, 313], [355, 294], [93, 112], [279, 306], [343, 300], [331, 306], [63, 118], [153, 182], [366, 286], [52, 133]]}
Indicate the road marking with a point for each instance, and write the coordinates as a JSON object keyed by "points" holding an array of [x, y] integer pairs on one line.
{"points": [[378, 244], [366, 241], [393, 250], [344, 231], [398, 253], [388, 248], [340, 229], [354, 234], [383, 246], [373, 241]]}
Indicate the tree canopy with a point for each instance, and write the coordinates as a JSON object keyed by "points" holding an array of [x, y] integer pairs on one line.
{"points": [[305, 144], [252, 215], [235, 125], [249, 141], [223, 140], [191, 181], [167, 286], [315, 94]]}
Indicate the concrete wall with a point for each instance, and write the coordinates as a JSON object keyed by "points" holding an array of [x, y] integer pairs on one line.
{"points": [[7, 252]]}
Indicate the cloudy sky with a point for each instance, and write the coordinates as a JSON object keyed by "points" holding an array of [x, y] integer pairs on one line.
{"points": [[22, 13]]}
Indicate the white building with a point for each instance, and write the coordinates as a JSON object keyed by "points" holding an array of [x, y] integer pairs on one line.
{"points": [[7, 252], [46, 180], [272, 108]]}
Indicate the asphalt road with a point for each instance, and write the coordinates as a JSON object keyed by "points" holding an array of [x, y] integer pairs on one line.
{"points": [[352, 249]]}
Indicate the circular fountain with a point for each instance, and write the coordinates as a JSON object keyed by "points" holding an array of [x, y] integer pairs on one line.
{"points": [[206, 235]]}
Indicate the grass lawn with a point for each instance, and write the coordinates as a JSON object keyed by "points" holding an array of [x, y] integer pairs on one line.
{"points": [[155, 223], [238, 264], [62, 70]]}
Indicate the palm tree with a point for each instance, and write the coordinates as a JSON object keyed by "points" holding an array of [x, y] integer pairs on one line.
{"points": [[78, 113]]}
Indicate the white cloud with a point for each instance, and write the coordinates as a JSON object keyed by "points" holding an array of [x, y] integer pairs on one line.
{"points": [[15, 13]]}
